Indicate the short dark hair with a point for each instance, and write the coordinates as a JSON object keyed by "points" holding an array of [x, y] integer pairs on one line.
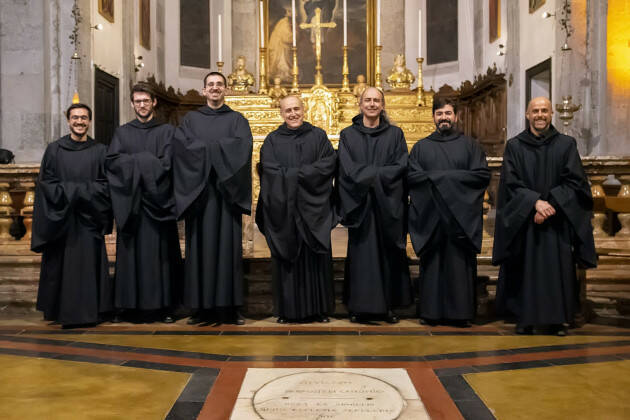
{"points": [[441, 102], [214, 73], [143, 88], [76, 106]]}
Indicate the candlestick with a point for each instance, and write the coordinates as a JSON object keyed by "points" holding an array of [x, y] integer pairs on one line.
{"points": [[378, 22], [262, 84], [419, 32], [345, 84], [345, 23], [293, 20], [220, 66], [420, 92], [377, 82], [295, 87], [220, 41], [262, 26]]}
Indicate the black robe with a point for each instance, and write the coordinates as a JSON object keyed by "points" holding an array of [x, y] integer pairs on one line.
{"points": [[213, 189], [148, 258], [295, 214], [372, 203], [447, 178], [72, 213], [537, 278]]}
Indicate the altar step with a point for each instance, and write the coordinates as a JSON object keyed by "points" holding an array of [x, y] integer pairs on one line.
{"points": [[607, 287]]}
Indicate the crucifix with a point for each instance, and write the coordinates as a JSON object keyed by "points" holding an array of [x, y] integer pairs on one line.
{"points": [[316, 25]]}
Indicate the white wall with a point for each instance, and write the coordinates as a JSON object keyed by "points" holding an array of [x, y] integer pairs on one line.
{"points": [[490, 50]]}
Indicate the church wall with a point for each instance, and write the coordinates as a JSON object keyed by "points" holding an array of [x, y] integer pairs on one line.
{"points": [[245, 35], [434, 76], [393, 37], [108, 43], [183, 77], [489, 55], [22, 75]]}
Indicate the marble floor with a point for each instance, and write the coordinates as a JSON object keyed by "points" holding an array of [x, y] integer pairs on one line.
{"points": [[177, 371]]}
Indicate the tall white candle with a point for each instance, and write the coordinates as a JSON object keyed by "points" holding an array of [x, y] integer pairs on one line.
{"points": [[378, 22], [293, 20], [419, 33], [220, 39], [262, 26], [345, 23]]}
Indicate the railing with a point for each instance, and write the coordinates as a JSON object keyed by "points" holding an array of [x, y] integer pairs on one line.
{"points": [[609, 176]]}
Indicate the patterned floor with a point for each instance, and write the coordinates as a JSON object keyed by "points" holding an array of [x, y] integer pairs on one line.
{"points": [[153, 371]]}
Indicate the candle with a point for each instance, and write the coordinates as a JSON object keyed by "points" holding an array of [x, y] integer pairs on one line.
{"points": [[378, 22], [345, 24], [293, 19], [262, 26], [419, 33], [220, 43]]}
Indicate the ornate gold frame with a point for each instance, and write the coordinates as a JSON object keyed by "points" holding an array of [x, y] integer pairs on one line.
{"points": [[106, 13], [370, 22]]}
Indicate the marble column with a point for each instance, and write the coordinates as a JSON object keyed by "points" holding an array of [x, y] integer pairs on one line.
{"points": [[515, 97]]}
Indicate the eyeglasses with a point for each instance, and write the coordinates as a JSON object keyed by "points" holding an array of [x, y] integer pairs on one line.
{"points": [[142, 101]]}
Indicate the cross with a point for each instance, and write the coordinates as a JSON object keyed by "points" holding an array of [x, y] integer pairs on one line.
{"points": [[316, 25]]}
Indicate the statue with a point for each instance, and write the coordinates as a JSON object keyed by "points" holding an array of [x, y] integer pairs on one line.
{"points": [[399, 76], [240, 79], [277, 92], [360, 86]]}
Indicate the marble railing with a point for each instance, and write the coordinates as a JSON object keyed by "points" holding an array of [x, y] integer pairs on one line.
{"points": [[609, 176]]}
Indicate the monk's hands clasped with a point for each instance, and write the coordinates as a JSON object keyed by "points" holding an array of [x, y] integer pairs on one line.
{"points": [[544, 210]]}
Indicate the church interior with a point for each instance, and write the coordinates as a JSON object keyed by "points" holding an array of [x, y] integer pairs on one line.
{"points": [[490, 56]]}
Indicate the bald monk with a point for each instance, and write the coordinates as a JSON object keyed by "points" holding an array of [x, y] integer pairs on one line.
{"points": [[543, 226], [372, 204], [295, 213]]}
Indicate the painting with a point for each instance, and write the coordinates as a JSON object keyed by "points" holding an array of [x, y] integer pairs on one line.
{"points": [[535, 5], [145, 23], [279, 37], [106, 9], [494, 17]]}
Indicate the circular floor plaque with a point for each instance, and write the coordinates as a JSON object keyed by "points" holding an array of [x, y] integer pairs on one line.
{"points": [[328, 395]]}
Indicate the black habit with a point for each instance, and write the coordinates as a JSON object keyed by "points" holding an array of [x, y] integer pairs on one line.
{"points": [[373, 204], [295, 214], [537, 278], [447, 178], [72, 213], [213, 189], [148, 258]]}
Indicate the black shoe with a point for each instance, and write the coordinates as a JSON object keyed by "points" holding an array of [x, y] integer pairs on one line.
{"points": [[524, 330], [392, 318], [323, 318], [561, 331], [239, 320], [282, 320], [168, 319], [354, 318], [429, 322], [462, 323]]}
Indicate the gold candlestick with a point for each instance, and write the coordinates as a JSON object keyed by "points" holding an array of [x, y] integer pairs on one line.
{"points": [[377, 81], [295, 87], [220, 66], [420, 84], [345, 84], [262, 84]]}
